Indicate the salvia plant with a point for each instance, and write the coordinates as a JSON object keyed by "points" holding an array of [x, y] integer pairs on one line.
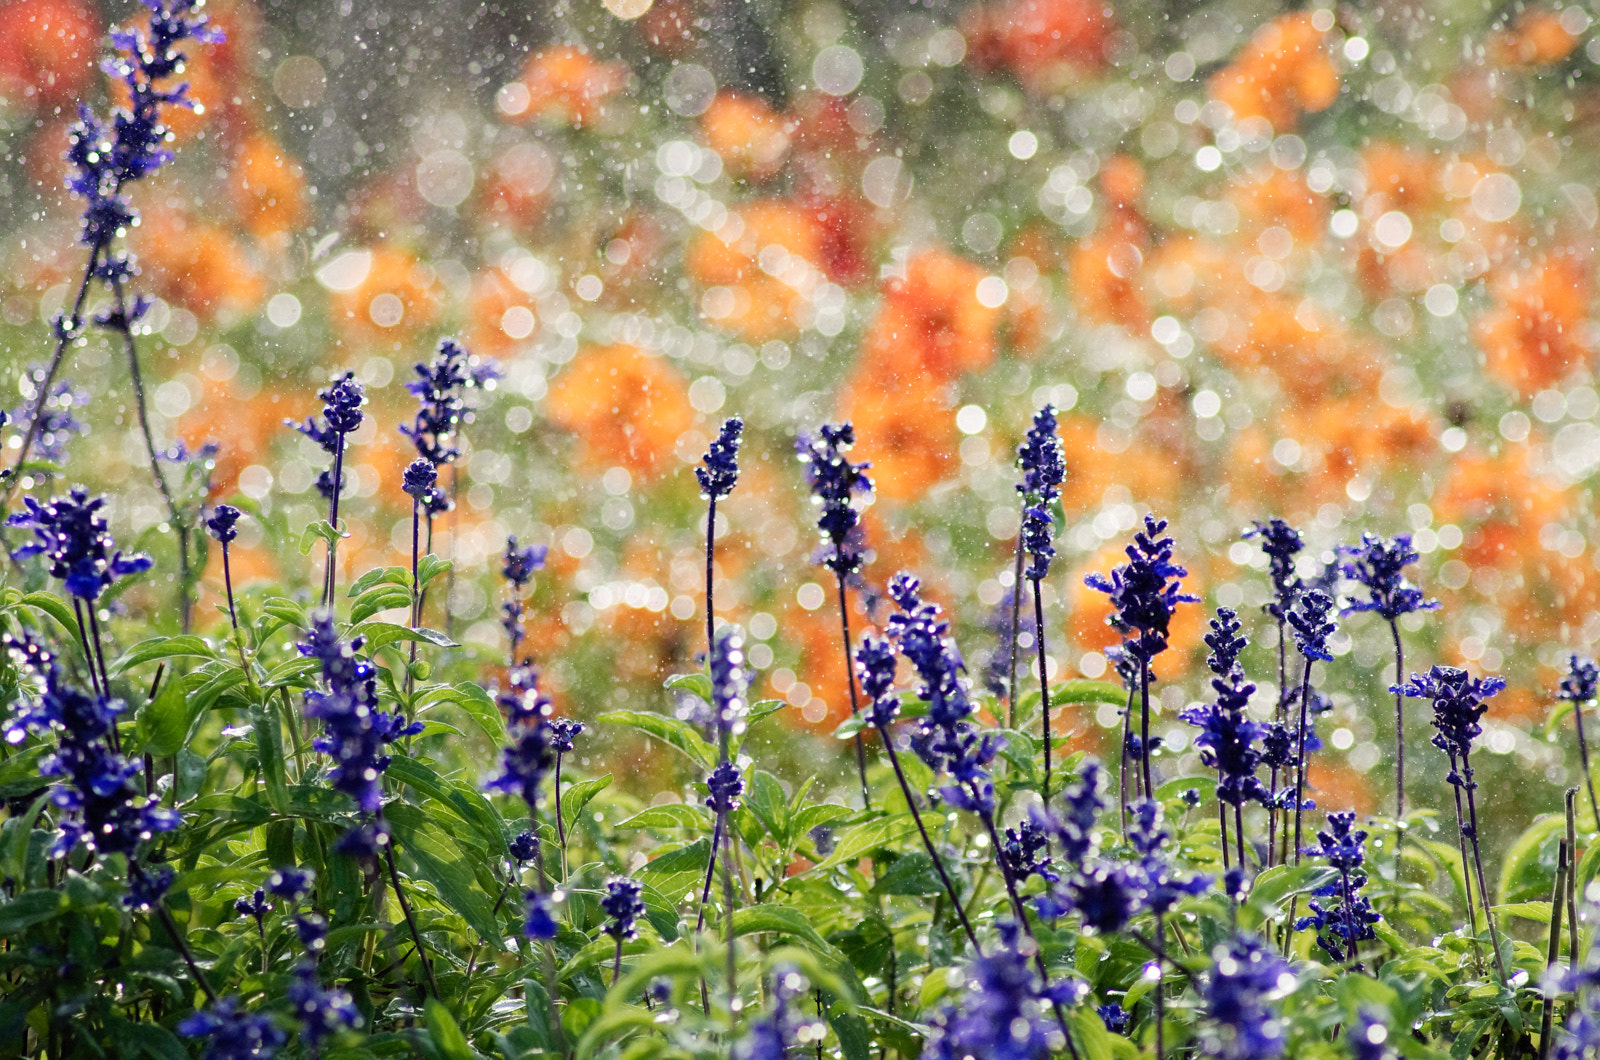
{"points": [[317, 824]]}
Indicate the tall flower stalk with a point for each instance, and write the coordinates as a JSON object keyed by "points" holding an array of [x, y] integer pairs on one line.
{"points": [[105, 159], [1280, 542], [519, 564], [1043, 469], [717, 479], [418, 482], [341, 415], [1578, 687], [1344, 922], [1458, 709], [1144, 592], [1378, 566], [1228, 738], [1312, 623], [223, 526], [728, 684], [837, 485]]}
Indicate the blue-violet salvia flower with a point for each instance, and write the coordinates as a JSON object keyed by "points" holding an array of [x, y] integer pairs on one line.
{"points": [[725, 785], [1458, 707], [1145, 591], [57, 425], [291, 884], [524, 847], [1582, 679], [440, 389], [539, 921], [532, 753], [1043, 470], [1242, 1023], [728, 683], [341, 415], [1280, 542], [254, 905], [875, 664], [234, 1035], [522, 561], [1004, 1013], [1312, 624], [1378, 565], [721, 471], [1345, 922], [1369, 1038], [322, 1013], [770, 1037], [222, 523], [1115, 1017], [1161, 886], [623, 904], [835, 484], [72, 535], [419, 479]]}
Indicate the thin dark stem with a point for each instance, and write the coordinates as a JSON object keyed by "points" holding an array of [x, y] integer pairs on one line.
{"points": [[927, 841], [1122, 773], [136, 871], [561, 828], [472, 961], [411, 920], [855, 696], [180, 523], [1016, 625], [1572, 878], [1044, 680], [820, 1018], [705, 900], [1477, 860], [227, 580], [99, 650], [711, 613], [1222, 822], [455, 528], [416, 603], [71, 328], [727, 918], [333, 519], [1583, 752], [1399, 728], [1157, 993], [1144, 727], [1238, 832], [1300, 759], [1282, 716], [1553, 952], [616, 967], [88, 652]]}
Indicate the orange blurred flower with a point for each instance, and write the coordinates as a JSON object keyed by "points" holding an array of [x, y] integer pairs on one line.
{"points": [[627, 407], [1338, 786], [516, 188], [1536, 334], [197, 265], [269, 189], [932, 322], [905, 426], [1284, 71], [47, 50], [398, 297], [567, 84], [821, 666], [751, 137], [503, 314], [1501, 503], [1047, 44], [1539, 36], [1105, 277], [759, 281], [243, 428]]}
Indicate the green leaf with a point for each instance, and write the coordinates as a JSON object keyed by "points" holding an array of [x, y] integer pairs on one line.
{"points": [[30, 908], [912, 874], [57, 609], [430, 567], [446, 1034], [161, 724], [671, 815], [578, 796], [697, 683], [400, 576], [1536, 911], [1085, 691], [157, 649], [19, 774], [441, 863], [677, 871], [867, 837], [764, 797], [382, 634], [289, 612], [476, 703], [269, 746], [1528, 870], [382, 598], [783, 920], [1274, 886], [679, 735], [322, 530]]}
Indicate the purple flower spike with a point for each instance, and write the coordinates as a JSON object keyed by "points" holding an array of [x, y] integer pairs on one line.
{"points": [[419, 479], [623, 904], [234, 1035], [521, 562], [1280, 542], [1145, 591], [1246, 976], [74, 538], [836, 483], [1378, 565], [440, 389], [223, 523], [721, 471], [1044, 468]]}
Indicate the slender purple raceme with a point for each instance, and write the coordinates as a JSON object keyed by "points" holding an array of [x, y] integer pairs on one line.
{"points": [[1044, 468]]}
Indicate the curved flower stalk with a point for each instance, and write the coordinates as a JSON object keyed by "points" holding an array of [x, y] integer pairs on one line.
{"points": [[341, 415], [105, 160], [1280, 542], [1379, 567], [1458, 709], [1044, 468], [717, 479], [1144, 592], [837, 485], [1578, 687], [1313, 624], [1343, 924]]}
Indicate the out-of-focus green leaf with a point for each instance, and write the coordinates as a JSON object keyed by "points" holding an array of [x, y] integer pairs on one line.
{"points": [[677, 734], [575, 798]]}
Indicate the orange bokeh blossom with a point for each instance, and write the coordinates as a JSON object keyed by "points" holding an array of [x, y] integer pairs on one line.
{"points": [[627, 406], [1284, 71]]}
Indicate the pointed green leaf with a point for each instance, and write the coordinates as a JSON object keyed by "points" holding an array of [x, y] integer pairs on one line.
{"points": [[577, 796]]}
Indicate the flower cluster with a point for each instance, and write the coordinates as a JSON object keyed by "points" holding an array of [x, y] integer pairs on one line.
{"points": [[521, 562], [728, 684], [1312, 623], [1346, 922], [1044, 468], [1160, 886], [440, 389], [72, 534], [623, 905], [57, 425], [771, 1036], [341, 415], [1145, 591], [532, 753], [234, 1034], [875, 664], [1378, 565], [1582, 679], [835, 483], [1004, 1011], [355, 731], [322, 1012], [721, 471], [419, 482], [945, 739], [1228, 738], [223, 523], [1458, 707], [1280, 542], [1246, 976]]}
